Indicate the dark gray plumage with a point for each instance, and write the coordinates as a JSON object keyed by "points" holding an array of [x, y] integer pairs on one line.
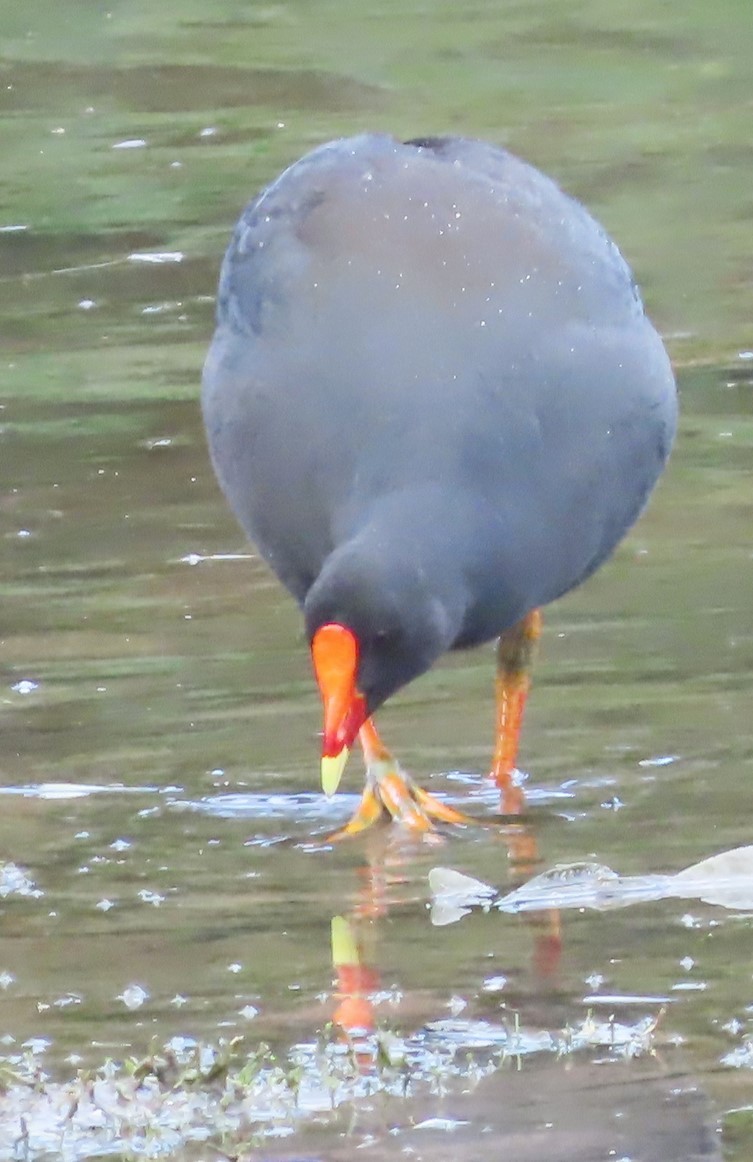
{"points": [[433, 399]]}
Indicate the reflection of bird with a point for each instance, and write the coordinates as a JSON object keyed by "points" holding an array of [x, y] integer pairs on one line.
{"points": [[434, 402]]}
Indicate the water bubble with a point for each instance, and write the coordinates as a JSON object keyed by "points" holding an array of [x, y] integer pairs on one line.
{"points": [[133, 996], [153, 898]]}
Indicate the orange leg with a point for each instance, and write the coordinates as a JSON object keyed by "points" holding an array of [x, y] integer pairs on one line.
{"points": [[391, 794], [515, 651]]}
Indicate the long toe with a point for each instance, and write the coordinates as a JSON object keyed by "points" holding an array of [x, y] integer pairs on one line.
{"points": [[391, 795]]}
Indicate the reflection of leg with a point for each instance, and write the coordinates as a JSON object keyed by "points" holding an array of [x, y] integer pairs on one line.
{"points": [[391, 794], [515, 651], [523, 853], [547, 948]]}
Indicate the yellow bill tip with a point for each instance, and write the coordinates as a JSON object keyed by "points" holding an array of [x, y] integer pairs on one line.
{"points": [[344, 947], [332, 771]]}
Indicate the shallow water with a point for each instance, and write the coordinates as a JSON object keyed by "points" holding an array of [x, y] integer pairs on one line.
{"points": [[159, 722]]}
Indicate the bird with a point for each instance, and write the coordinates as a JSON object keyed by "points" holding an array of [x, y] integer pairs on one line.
{"points": [[435, 404]]}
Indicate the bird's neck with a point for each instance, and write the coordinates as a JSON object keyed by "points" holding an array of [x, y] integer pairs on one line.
{"points": [[419, 537]]}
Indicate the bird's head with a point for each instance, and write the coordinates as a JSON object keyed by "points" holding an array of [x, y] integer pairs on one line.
{"points": [[371, 630]]}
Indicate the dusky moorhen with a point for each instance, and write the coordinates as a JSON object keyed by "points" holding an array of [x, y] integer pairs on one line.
{"points": [[434, 402]]}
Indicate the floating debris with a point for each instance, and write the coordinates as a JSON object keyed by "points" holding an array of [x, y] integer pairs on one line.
{"points": [[133, 996], [16, 881], [725, 879], [158, 257]]}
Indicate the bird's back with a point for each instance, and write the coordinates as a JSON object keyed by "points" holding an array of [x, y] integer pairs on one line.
{"points": [[396, 319]]}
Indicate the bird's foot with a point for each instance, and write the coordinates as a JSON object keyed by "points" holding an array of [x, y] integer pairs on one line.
{"points": [[512, 799], [391, 795]]}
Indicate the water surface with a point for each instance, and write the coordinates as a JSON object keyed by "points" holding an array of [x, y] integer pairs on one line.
{"points": [[159, 722]]}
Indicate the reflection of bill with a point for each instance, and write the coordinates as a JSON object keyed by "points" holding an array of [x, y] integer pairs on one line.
{"points": [[356, 980], [725, 879], [355, 936], [354, 939]]}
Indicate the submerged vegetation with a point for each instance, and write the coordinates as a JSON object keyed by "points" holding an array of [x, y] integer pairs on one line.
{"points": [[233, 1095]]}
